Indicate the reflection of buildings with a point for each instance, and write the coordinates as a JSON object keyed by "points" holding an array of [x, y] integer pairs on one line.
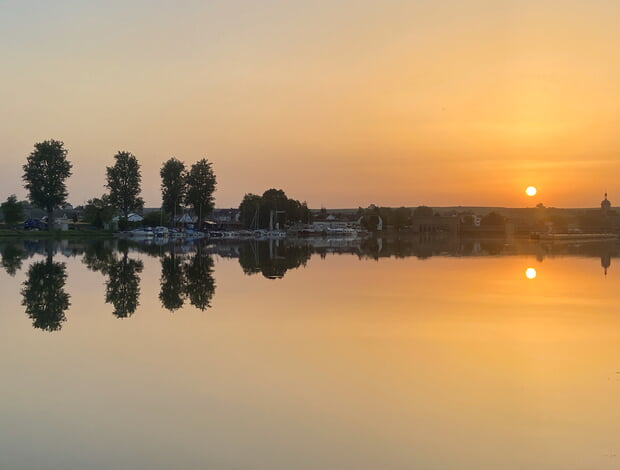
{"points": [[606, 261], [227, 219]]}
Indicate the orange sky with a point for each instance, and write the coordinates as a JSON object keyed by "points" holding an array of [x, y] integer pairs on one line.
{"points": [[339, 103]]}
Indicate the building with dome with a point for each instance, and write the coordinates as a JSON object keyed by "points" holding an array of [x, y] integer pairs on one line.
{"points": [[605, 205]]}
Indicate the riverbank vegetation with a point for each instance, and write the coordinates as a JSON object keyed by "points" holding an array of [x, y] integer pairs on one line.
{"points": [[47, 169]]}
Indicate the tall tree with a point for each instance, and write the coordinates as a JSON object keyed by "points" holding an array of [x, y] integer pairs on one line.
{"points": [[12, 210], [173, 186], [45, 172], [124, 179], [201, 184], [250, 211]]}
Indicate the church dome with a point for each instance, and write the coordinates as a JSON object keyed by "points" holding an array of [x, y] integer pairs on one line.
{"points": [[605, 204]]}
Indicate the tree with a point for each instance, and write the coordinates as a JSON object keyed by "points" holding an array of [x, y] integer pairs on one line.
{"points": [[249, 211], [468, 220], [401, 217], [123, 181], [492, 219], [12, 210], [44, 296], [173, 186], [45, 172], [273, 206], [200, 284], [201, 184], [154, 218], [122, 288], [273, 261], [423, 211], [12, 257], [173, 292], [98, 211]]}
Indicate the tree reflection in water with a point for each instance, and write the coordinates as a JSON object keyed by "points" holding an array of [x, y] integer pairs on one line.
{"points": [[272, 258], [200, 286], [172, 293], [12, 257], [122, 287], [44, 296], [187, 278], [187, 270]]}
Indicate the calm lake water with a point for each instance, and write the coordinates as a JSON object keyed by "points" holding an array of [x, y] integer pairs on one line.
{"points": [[407, 354]]}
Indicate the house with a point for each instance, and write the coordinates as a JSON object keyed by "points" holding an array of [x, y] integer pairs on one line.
{"points": [[132, 217], [227, 219]]}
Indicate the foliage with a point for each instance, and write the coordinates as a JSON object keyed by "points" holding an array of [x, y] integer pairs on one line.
{"points": [[98, 256], [123, 285], [468, 220], [154, 218], [397, 218], [423, 211], [123, 181], [45, 172], [123, 280], [201, 184], [594, 221], [98, 211], [249, 210], [44, 296], [257, 211], [273, 261], [173, 185], [492, 219], [172, 293], [200, 284], [12, 257], [401, 218], [12, 210]]}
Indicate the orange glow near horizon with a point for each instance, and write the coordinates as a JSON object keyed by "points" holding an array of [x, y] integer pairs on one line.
{"points": [[402, 103]]}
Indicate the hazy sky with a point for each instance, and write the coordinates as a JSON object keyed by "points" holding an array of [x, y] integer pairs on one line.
{"points": [[340, 103]]}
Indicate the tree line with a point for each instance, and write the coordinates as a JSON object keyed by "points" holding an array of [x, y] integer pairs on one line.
{"points": [[271, 209], [47, 169]]}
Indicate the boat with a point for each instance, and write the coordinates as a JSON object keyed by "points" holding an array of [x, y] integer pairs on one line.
{"points": [[140, 233], [174, 233], [192, 234], [160, 232]]}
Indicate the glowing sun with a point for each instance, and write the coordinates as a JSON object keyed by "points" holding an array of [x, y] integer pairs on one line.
{"points": [[531, 191], [530, 273]]}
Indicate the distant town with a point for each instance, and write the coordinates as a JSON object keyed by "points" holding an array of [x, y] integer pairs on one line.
{"points": [[188, 209], [464, 221]]}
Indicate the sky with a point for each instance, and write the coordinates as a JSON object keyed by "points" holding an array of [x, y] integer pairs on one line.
{"points": [[339, 103]]}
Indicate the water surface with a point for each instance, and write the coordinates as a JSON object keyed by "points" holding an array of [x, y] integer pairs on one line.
{"points": [[334, 355]]}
